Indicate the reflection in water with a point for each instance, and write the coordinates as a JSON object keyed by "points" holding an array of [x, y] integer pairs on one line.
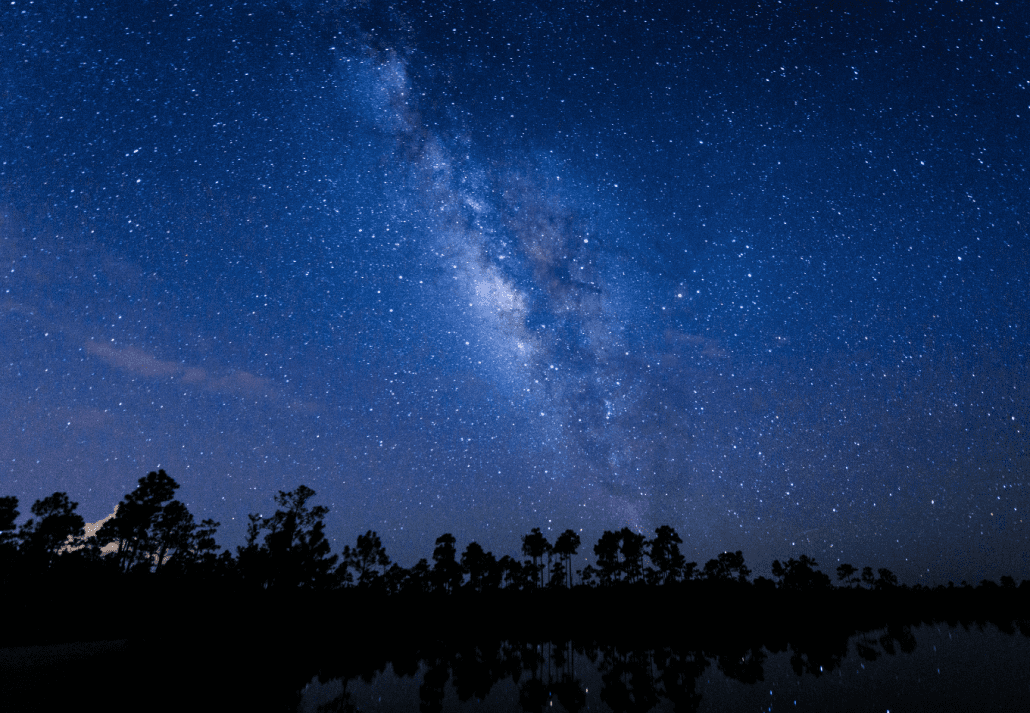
{"points": [[929, 667]]}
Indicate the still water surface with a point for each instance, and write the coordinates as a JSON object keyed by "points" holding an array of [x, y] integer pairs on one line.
{"points": [[921, 668]]}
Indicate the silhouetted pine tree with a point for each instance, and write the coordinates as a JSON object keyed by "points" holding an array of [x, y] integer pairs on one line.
{"points": [[55, 527], [535, 546], [136, 525], [447, 576], [665, 554], [295, 552], [608, 565], [565, 547]]}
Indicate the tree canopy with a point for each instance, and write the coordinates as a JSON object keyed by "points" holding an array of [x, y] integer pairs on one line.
{"points": [[140, 528], [294, 552], [56, 526], [152, 533]]}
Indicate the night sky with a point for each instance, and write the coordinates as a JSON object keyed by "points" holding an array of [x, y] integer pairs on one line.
{"points": [[756, 270]]}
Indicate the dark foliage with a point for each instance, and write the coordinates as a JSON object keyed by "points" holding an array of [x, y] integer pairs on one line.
{"points": [[55, 528], [171, 581], [294, 553]]}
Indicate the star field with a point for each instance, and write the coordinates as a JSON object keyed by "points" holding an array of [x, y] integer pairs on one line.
{"points": [[758, 273]]}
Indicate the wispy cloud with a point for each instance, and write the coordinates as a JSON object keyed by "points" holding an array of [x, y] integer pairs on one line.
{"points": [[133, 360], [136, 361], [242, 382]]}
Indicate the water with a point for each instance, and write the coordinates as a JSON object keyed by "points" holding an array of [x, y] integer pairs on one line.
{"points": [[920, 668]]}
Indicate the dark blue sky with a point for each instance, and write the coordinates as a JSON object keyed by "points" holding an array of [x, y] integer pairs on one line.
{"points": [[758, 272]]}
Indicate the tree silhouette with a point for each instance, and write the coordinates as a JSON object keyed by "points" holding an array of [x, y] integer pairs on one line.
{"points": [[846, 574], [558, 577], [631, 546], [589, 575], [295, 552], [197, 551], [867, 576], [395, 578], [727, 567], [135, 526], [173, 528], [608, 564], [180, 544], [565, 547], [55, 527], [665, 554], [515, 575], [535, 546], [368, 554], [886, 580], [800, 575], [420, 578], [480, 566], [446, 570], [620, 556], [8, 536], [8, 515]]}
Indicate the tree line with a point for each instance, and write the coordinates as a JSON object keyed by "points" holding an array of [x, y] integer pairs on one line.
{"points": [[152, 533]]}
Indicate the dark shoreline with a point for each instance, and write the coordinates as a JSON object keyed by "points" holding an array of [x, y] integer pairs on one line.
{"points": [[173, 647], [700, 610]]}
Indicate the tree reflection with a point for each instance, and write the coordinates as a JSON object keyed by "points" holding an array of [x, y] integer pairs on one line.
{"points": [[628, 680], [431, 692], [476, 669], [634, 675]]}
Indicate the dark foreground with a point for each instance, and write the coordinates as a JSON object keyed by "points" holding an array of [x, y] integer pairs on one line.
{"points": [[168, 648]]}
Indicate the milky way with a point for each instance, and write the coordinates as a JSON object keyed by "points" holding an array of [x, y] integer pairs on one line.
{"points": [[758, 273], [537, 305]]}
